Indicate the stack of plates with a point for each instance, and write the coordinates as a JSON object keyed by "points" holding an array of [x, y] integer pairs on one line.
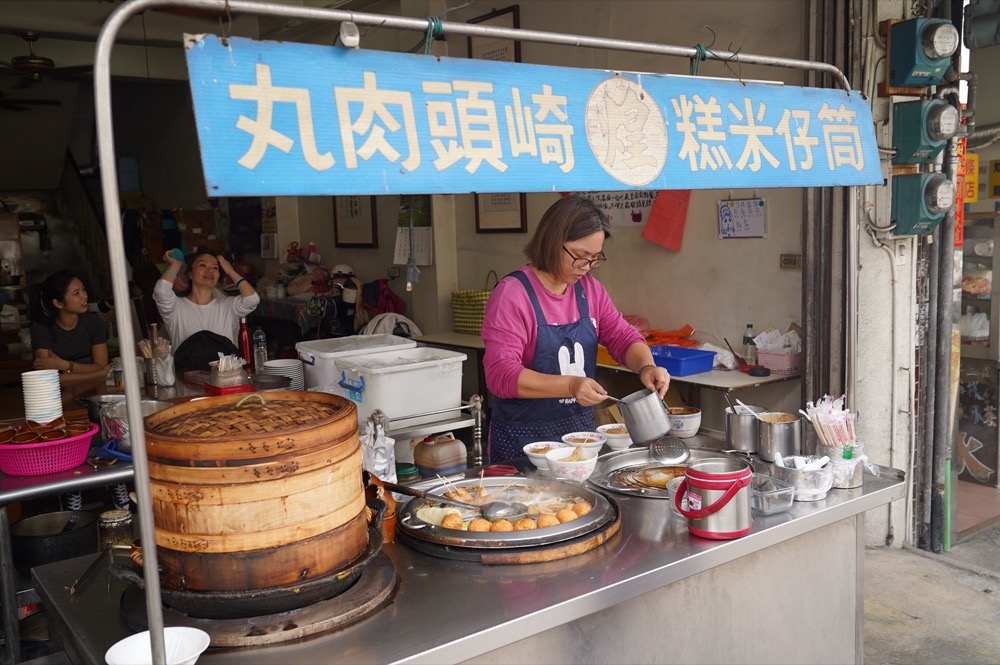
{"points": [[291, 368], [42, 396]]}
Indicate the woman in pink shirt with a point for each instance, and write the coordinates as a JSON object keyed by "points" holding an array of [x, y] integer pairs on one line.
{"points": [[542, 326]]}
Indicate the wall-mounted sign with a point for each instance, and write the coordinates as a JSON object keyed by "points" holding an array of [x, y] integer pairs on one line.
{"points": [[630, 207], [297, 120]]}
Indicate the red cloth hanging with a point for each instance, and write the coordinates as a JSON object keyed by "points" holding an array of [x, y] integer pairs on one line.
{"points": [[666, 220]]}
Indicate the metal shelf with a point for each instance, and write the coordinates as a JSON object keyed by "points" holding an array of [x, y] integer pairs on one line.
{"points": [[435, 427]]}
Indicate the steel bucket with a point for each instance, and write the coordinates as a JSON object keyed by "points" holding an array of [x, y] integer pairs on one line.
{"points": [[742, 432], [779, 433], [645, 416]]}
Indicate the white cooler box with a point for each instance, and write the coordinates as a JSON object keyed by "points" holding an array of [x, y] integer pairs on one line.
{"points": [[318, 355], [401, 383]]}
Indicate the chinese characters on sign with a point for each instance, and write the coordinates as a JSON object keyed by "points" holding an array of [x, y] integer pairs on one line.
{"points": [[375, 122]]}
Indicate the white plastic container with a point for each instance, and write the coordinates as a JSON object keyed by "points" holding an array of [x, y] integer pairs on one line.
{"points": [[317, 356], [401, 383]]}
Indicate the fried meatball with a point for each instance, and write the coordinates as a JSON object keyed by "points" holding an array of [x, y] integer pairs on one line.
{"points": [[502, 525], [452, 521], [566, 515], [524, 524], [479, 524], [548, 519], [581, 508]]}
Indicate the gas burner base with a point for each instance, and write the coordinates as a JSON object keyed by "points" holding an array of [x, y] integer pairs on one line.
{"points": [[373, 589]]}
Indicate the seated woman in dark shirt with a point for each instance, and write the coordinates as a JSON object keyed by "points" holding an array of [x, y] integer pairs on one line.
{"points": [[64, 334]]}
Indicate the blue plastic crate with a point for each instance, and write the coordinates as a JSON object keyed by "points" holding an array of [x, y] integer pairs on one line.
{"points": [[682, 362]]}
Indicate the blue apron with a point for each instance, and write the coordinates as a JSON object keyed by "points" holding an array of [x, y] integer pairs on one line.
{"points": [[517, 422]]}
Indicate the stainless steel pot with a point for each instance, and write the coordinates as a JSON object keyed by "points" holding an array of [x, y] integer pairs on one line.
{"points": [[94, 403], [742, 432], [114, 420], [645, 416], [53, 537], [779, 433]]}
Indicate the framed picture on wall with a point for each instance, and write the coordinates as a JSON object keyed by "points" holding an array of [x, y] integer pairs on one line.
{"points": [[491, 48], [355, 223], [499, 213], [268, 245]]}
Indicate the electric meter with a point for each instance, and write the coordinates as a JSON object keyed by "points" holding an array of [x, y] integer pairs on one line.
{"points": [[920, 51], [940, 40], [920, 201], [921, 129]]}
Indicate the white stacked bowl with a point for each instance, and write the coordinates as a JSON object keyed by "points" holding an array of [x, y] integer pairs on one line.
{"points": [[291, 368], [42, 395]]}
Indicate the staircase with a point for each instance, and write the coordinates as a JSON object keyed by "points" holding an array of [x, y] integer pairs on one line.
{"points": [[75, 202]]}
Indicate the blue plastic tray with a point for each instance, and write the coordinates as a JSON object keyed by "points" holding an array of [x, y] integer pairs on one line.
{"points": [[682, 362]]}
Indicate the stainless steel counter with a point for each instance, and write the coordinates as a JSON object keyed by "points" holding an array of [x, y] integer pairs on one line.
{"points": [[448, 611]]}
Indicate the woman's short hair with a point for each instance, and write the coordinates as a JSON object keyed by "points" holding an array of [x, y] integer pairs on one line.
{"points": [[569, 218], [54, 287]]}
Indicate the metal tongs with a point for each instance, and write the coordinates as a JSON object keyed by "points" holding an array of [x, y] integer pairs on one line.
{"points": [[87, 574]]}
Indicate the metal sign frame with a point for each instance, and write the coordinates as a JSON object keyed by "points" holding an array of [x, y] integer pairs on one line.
{"points": [[112, 213]]}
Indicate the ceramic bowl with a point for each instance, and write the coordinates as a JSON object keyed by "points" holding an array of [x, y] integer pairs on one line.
{"points": [[183, 646], [536, 452], [684, 421], [578, 471], [588, 440], [618, 438]]}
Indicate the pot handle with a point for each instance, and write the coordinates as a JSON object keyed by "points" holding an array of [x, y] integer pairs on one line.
{"points": [[128, 574], [82, 401], [719, 504]]}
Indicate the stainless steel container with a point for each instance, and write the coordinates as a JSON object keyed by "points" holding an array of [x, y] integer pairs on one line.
{"points": [[809, 485], [114, 420], [742, 432], [645, 416], [717, 490], [779, 433]]}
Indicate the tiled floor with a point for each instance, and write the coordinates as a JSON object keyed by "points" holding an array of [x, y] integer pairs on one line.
{"points": [[978, 506]]}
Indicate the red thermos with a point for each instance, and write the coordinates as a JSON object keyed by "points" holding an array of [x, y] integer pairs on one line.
{"points": [[245, 350]]}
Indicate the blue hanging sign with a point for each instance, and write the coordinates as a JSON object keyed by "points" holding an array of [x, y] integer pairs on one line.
{"points": [[286, 119]]}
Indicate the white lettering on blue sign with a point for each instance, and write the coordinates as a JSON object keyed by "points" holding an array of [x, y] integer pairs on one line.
{"points": [[296, 120]]}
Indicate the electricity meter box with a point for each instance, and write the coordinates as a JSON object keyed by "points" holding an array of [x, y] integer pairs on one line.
{"points": [[920, 201], [921, 129], [920, 51]]}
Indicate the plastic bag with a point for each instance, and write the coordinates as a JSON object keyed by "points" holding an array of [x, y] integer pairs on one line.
{"points": [[378, 453]]}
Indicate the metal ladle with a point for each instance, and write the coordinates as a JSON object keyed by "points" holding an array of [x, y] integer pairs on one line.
{"points": [[492, 511]]}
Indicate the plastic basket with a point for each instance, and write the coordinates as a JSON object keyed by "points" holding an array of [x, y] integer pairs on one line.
{"points": [[36, 459], [780, 363], [680, 361]]}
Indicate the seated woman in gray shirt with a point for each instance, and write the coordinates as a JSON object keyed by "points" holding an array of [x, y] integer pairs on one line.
{"points": [[64, 335]]}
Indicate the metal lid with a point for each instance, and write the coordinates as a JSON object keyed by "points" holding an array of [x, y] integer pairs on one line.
{"points": [[669, 450], [115, 516]]}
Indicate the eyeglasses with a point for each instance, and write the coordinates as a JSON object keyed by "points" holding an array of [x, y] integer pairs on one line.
{"points": [[580, 262]]}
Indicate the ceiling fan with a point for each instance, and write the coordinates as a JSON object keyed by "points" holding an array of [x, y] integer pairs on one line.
{"points": [[33, 67]]}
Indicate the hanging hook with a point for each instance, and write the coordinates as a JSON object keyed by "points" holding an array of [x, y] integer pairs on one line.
{"points": [[226, 29], [714, 36]]}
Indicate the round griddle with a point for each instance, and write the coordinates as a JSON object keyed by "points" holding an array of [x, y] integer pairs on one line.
{"points": [[626, 471], [602, 512], [538, 553]]}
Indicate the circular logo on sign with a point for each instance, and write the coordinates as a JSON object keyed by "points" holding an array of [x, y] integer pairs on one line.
{"points": [[626, 131]]}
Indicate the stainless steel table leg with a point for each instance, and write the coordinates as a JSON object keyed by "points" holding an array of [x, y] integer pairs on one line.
{"points": [[8, 594]]}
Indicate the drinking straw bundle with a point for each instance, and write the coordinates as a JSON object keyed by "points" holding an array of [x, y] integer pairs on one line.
{"points": [[833, 423]]}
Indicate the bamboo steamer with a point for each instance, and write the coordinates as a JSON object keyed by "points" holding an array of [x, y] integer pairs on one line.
{"points": [[254, 495]]}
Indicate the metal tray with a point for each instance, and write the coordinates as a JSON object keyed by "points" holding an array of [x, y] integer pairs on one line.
{"points": [[600, 513], [640, 458]]}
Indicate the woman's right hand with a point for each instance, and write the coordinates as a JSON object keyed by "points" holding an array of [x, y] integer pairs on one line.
{"points": [[171, 261], [587, 391]]}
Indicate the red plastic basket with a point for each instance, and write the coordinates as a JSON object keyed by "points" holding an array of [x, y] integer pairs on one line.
{"points": [[37, 459], [780, 363]]}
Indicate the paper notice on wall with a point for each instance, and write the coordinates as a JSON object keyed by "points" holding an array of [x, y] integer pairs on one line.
{"points": [[625, 208], [423, 245]]}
